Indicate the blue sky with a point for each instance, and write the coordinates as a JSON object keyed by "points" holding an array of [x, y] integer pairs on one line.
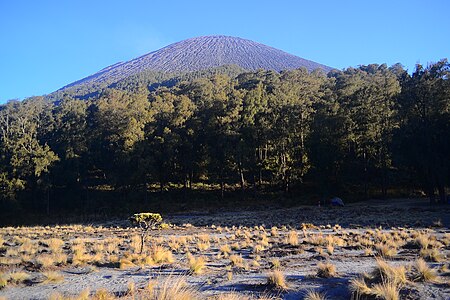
{"points": [[48, 44]]}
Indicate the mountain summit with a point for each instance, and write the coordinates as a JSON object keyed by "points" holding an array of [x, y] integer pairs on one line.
{"points": [[206, 52]]}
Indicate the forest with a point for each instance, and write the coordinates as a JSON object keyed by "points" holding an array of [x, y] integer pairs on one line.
{"points": [[209, 139]]}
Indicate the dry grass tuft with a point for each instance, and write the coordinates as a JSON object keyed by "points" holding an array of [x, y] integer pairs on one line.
{"points": [[225, 250], [385, 272], [54, 244], [236, 260], [131, 289], [3, 280], [103, 294], [423, 273], [330, 249], [431, 255], [203, 246], [277, 280], [326, 270], [312, 295], [84, 295], [275, 263], [358, 287], [196, 265], [387, 290], [135, 243], [292, 238], [172, 289], [384, 282], [231, 296], [45, 261], [161, 255], [386, 251], [18, 277], [52, 277], [125, 264]]}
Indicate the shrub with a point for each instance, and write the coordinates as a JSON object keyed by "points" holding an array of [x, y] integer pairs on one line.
{"points": [[145, 221]]}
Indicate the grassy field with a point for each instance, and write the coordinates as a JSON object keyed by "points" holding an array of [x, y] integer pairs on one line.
{"points": [[378, 250]]}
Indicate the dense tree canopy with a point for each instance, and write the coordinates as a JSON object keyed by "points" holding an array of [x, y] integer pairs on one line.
{"points": [[366, 131]]}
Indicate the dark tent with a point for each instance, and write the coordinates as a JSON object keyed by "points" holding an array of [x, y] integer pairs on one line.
{"points": [[337, 202]]}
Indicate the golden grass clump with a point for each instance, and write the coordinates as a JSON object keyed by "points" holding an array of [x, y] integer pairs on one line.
{"points": [[45, 261], [225, 250], [422, 272], [28, 247], [277, 280], [274, 231], [196, 264], [111, 245], [174, 244], [387, 290], [236, 260], [386, 251], [79, 258], [103, 294], [379, 286], [231, 296], [383, 271], [18, 277], [98, 247], [326, 270], [330, 249], [131, 288], [275, 263], [203, 246], [358, 286], [312, 295], [432, 254], [368, 252], [52, 277], [292, 238], [172, 289], [3, 280], [264, 241], [235, 246], [135, 243], [84, 295], [125, 263], [258, 248], [54, 244], [9, 261], [204, 238], [161, 255]]}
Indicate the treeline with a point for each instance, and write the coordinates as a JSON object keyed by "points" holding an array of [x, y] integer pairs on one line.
{"points": [[369, 131]]}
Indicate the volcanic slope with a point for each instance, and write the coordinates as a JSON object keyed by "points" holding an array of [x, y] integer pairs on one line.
{"points": [[202, 53]]}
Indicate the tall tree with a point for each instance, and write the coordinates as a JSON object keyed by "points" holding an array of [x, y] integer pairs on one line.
{"points": [[424, 134], [26, 156]]}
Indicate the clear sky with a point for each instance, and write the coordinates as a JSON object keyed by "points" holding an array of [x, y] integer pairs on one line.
{"points": [[45, 44]]}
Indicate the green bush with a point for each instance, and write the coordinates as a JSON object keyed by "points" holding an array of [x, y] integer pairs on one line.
{"points": [[146, 221]]}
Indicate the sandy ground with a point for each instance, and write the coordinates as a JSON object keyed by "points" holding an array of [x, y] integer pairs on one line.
{"points": [[299, 263]]}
